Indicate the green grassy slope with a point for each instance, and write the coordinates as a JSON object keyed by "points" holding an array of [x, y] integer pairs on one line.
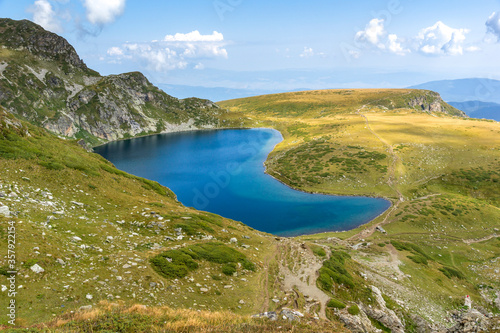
{"points": [[441, 172], [94, 230]]}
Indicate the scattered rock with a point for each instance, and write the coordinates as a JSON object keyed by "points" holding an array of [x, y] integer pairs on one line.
{"points": [[204, 290], [291, 315], [269, 315], [474, 321], [89, 296], [5, 211], [76, 238], [85, 308], [233, 240], [379, 228], [37, 269], [60, 261], [241, 301]]}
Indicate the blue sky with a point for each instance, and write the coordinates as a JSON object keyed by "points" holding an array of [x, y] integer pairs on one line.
{"points": [[277, 45]]}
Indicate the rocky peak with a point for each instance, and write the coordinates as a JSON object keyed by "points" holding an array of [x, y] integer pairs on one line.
{"points": [[431, 101], [25, 34]]}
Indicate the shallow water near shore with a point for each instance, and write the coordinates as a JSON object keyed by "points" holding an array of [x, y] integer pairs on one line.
{"points": [[222, 171]]}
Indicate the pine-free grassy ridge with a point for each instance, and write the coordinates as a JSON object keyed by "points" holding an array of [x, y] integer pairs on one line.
{"points": [[440, 170]]}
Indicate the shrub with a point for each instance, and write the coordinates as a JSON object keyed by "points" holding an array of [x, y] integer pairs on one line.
{"points": [[353, 310], [452, 272], [178, 263], [229, 269], [418, 259], [318, 250], [336, 304]]}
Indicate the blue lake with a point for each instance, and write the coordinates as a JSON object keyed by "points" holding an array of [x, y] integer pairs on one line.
{"points": [[222, 171]]}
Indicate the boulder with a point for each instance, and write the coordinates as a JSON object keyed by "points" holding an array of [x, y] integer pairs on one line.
{"points": [[37, 269], [5, 211]]}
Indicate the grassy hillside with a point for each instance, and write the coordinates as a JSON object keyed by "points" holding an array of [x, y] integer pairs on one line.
{"points": [[117, 242], [103, 235], [441, 172]]}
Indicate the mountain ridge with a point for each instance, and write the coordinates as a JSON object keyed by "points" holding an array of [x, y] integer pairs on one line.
{"points": [[43, 80]]}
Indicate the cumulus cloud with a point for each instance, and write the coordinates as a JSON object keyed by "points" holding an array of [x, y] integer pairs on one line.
{"points": [[375, 35], [441, 39], [101, 12], [44, 15], [194, 36], [437, 40], [493, 25], [177, 51], [115, 51], [308, 52]]}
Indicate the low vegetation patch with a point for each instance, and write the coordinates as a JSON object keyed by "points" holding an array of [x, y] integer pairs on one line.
{"points": [[452, 272], [178, 263], [335, 304]]}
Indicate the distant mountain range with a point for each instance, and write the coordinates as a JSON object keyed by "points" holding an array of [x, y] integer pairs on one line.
{"points": [[217, 93], [479, 98]]}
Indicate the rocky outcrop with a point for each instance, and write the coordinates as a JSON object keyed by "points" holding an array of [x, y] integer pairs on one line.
{"points": [[359, 323], [383, 314], [431, 101], [25, 34], [473, 321], [70, 100]]}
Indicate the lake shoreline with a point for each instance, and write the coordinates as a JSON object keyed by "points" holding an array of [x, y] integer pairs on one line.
{"points": [[341, 219]]}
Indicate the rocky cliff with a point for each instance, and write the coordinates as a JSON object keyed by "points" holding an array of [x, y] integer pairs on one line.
{"points": [[43, 80], [431, 101]]}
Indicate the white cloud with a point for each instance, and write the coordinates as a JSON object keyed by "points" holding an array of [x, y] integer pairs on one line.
{"points": [[308, 52], [373, 33], [115, 51], [101, 12], [493, 25], [44, 15], [194, 36], [472, 49], [376, 35], [441, 39], [177, 51], [394, 45]]}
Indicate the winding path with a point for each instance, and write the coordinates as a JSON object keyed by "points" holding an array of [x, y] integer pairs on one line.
{"points": [[391, 181]]}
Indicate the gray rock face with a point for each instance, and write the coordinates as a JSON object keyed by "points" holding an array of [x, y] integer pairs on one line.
{"points": [[432, 102], [43, 43], [383, 314], [98, 108], [474, 321]]}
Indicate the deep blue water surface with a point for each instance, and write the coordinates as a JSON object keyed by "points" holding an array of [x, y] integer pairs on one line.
{"points": [[222, 171]]}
